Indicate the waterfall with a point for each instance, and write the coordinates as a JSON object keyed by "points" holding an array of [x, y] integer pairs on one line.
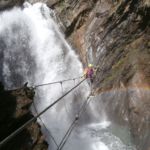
{"points": [[33, 50]]}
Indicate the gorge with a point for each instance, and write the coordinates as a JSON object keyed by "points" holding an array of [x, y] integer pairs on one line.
{"points": [[112, 35]]}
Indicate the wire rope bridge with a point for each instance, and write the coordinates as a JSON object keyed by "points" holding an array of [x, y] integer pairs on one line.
{"points": [[73, 124]]}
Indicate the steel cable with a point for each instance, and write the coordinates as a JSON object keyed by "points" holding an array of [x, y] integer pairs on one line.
{"points": [[77, 117], [45, 126], [44, 84], [12, 135]]}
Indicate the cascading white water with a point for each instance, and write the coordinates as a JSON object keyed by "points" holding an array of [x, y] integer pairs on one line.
{"points": [[33, 49]]}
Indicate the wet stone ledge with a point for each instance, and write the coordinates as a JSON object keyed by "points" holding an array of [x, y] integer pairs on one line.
{"points": [[14, 112]]}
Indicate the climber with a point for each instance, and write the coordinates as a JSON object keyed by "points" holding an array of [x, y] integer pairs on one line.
{"points": [[89, 72]]}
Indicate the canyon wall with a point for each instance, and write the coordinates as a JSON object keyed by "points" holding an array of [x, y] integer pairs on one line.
{"points": [[14, 108], [115, 37]]}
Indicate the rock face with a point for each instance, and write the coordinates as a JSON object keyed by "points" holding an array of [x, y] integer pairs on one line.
{"points": [[117, 40], [14, 107], [114, 36], [6, 4]]}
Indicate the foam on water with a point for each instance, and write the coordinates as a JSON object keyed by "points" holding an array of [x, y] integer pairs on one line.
{"points": [[99, 146], [102, 125]]}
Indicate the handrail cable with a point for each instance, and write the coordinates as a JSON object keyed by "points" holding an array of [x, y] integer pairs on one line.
{"points": [[64, 99], [44, 84], [35, 117], [45, 126], [77, 117]]}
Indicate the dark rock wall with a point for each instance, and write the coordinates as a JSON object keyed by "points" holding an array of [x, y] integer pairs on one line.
{"points": [[7, 4], [14, 112], [119, 45], [114, 36]]}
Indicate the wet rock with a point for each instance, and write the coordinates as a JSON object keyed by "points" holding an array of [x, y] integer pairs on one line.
{"points": [[14, 108], [117, 42], [114, 35], [6, 4]]}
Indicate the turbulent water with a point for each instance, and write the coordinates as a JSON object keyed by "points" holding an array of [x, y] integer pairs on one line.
{"points": [[33, 50]]}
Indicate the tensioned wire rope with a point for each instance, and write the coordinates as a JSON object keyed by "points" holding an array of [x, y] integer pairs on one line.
{"points": [[36, 111], [64, 100], [55, 82], [12, 135], [45, 126], [72, 126], [62, 89], [48, 83]]}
